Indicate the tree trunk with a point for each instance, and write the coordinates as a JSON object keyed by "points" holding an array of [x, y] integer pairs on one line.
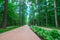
{"points": [[46, 14], [33, 18], [55, 11], [4, 22], [20, 13], [46, 20]]}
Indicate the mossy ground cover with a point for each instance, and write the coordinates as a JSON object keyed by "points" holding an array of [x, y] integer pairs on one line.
{"points": [[46, 34], [8, 29]]}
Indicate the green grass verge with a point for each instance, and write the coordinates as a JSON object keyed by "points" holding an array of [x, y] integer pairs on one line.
{"points": [[46, 34], [8, 28]]}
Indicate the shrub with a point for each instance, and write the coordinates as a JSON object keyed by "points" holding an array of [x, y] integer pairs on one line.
{"points": [[46, 34]]}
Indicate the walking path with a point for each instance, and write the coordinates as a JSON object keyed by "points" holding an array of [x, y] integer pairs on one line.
{"points": [[22, 33], [50, 28]]}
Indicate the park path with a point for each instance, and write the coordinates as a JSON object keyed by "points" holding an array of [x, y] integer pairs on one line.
{"points": [[22, 33], [50, 29]]}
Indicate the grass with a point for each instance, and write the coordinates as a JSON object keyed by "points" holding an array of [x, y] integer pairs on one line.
{"points": [[8, 29], [46, 34]]}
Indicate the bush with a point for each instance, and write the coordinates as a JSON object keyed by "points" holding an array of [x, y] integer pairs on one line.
{"points": [[55, 34], [7, 29], [46, 34]]}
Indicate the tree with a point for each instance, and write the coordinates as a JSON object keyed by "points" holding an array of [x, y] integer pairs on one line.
{"points": [[5, 14], [46, 13], [22, 10], [55, 11]]}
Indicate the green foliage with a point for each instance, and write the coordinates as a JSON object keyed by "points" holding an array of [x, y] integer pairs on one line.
{"points": [[13, 12], [12, 16], [8, 29], [40, 8], [55, 34], [46, 34]]}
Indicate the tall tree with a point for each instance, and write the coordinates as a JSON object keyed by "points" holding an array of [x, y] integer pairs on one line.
{"points": [[20, 12], [55, 11], [46, 13], [5, 14]]}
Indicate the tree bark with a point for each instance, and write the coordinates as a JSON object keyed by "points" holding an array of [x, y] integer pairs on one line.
{"points": [[46, 19], [46, 14], [20, 13], [4, 22], [55, 11]]}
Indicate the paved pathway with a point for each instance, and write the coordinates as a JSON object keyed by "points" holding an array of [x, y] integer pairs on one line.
{"points": [[22, 33]]}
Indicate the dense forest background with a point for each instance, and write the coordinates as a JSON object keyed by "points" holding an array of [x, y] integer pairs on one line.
{"points": [[32, 12]]}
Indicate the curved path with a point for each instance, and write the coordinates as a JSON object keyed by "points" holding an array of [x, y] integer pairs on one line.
{"points": [[22, 33]]}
